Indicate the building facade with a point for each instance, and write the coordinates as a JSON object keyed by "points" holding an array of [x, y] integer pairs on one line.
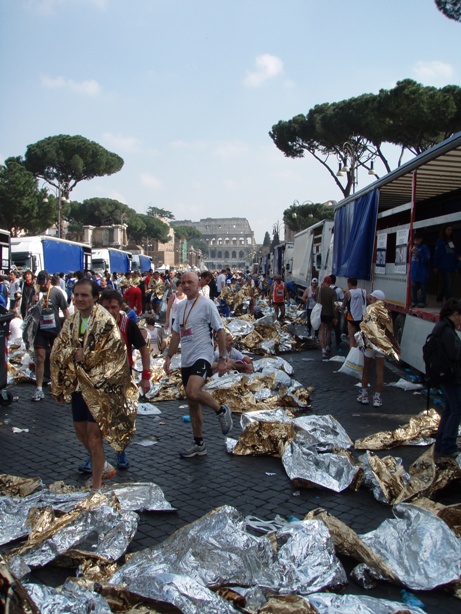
{"points": [[230, 241]]}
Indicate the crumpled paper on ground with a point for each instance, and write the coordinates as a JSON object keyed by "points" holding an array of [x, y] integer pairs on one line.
{"points": [[425, 424]]}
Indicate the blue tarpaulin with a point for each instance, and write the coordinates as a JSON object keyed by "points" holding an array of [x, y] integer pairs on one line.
{"points": [[354, 237], [62, 257], [119, 262], [144, 263]]}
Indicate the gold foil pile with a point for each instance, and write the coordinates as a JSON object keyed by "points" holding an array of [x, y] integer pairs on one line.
{"points": [[425, 424], [15, 486], [265, 439]]}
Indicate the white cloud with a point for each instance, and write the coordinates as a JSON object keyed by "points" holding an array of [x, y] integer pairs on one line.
{"points": [[178, 144], [433, 73], [267, 67], [150, 181], [227, 150], [87, 88], [118, 142]]}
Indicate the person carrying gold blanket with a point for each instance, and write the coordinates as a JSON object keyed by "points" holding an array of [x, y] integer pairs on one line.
{"points": [[89, 368]]}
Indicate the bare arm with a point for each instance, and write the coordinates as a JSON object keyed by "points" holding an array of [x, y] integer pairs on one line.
{"points": [[174, 344]]}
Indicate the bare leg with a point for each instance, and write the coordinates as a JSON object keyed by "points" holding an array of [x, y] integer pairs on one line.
{"points": [[351, 329], [379, 374], [366, 366], [40, 355], [197, 396], [90, 436], [322, 335]]}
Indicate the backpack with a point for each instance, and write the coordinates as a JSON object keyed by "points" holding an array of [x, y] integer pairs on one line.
{"points": [[439, 368]]}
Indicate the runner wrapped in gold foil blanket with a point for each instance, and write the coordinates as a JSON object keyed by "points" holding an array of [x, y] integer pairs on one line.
{"points": [[378, 330], [103, 378]]}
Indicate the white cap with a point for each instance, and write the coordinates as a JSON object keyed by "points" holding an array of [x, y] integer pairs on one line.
{"points": [[314, 280], [378, 294]]}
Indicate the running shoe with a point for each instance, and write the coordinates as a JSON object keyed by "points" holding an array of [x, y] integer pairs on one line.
{"points": [[377, 401], [122, 461], [225, 419], [38, 395], [86, 467], [363, 398], [195, 450]]}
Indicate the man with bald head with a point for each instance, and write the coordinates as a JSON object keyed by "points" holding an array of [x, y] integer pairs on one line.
{"points": [[195, 320]]}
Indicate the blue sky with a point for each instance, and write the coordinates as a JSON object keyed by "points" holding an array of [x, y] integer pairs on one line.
{"points": [[186, 91]]}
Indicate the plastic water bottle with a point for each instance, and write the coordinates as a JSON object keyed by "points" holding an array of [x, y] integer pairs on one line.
{"points": [[185, 418], [411, 599]]}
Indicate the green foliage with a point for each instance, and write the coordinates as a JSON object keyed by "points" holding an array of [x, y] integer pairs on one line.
{"points": [[63, 161], [104, 212], [187, 232], [410, 116], [153, 211], [22, 205], [155, 229], [267, 239], [450, 8], [298, 217]]}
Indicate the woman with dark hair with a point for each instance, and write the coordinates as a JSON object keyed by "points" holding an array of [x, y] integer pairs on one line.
{"points": [[445, 262], [447, 433]]}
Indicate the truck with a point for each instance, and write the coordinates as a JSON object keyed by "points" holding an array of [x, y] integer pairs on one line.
{"points": [[281, 258], [373, 231], [312, 254], [141, 263], [54, 255], [112, 260], [5, 251]]}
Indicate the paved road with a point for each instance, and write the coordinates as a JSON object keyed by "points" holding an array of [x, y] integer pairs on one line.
{"points": [[255, 486]]}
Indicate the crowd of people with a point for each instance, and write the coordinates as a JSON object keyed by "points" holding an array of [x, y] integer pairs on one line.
{"points": [[84, 322]]}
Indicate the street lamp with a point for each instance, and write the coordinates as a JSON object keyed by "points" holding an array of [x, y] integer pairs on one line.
{"points": [[61, 199], [350, 152]]}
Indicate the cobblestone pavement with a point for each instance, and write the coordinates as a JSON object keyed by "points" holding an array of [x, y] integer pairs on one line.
{"points": [[255, 486]]}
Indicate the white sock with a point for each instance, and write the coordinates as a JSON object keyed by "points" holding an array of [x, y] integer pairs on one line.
{"points": [[39, 388], [377, 395], [364, 392]]}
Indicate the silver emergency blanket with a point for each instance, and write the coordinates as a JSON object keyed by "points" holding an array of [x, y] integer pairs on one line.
{"points": [[277, 363], [228, 380], [265, 415], [239, 328], [217, 551], [70, 597], [324, 433], [186, 593], [418, 546], [281, 377], [307, 561], [327, 603], [308, 468], [93, 526], [132, 496]]}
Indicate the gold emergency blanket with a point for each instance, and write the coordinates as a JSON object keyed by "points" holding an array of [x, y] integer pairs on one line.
{"points": [[425, 424], [378, 330], [103, 378]]}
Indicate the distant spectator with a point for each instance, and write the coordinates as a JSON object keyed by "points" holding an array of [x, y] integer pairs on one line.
{"points": [[308, 298], [419, 271], [445, 262], [326, 296]]}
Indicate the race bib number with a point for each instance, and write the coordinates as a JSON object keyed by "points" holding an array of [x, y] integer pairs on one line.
{"points": [[47, 319], [187, 332]]}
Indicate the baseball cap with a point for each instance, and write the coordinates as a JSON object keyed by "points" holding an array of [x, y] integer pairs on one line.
{"points": [[378, 294], [314, 280], [42, 278]]}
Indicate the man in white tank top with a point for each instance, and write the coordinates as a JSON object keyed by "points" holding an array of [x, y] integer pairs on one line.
{"points": [[355, 299]]}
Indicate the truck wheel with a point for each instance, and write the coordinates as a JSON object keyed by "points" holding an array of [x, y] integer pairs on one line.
{"points": [[399, 323]]}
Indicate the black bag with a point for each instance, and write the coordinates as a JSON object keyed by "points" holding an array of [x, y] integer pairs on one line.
{"points": [[439, 368]]}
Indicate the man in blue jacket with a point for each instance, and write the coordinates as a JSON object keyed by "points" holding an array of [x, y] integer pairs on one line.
{"points": [[419, 274]]}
